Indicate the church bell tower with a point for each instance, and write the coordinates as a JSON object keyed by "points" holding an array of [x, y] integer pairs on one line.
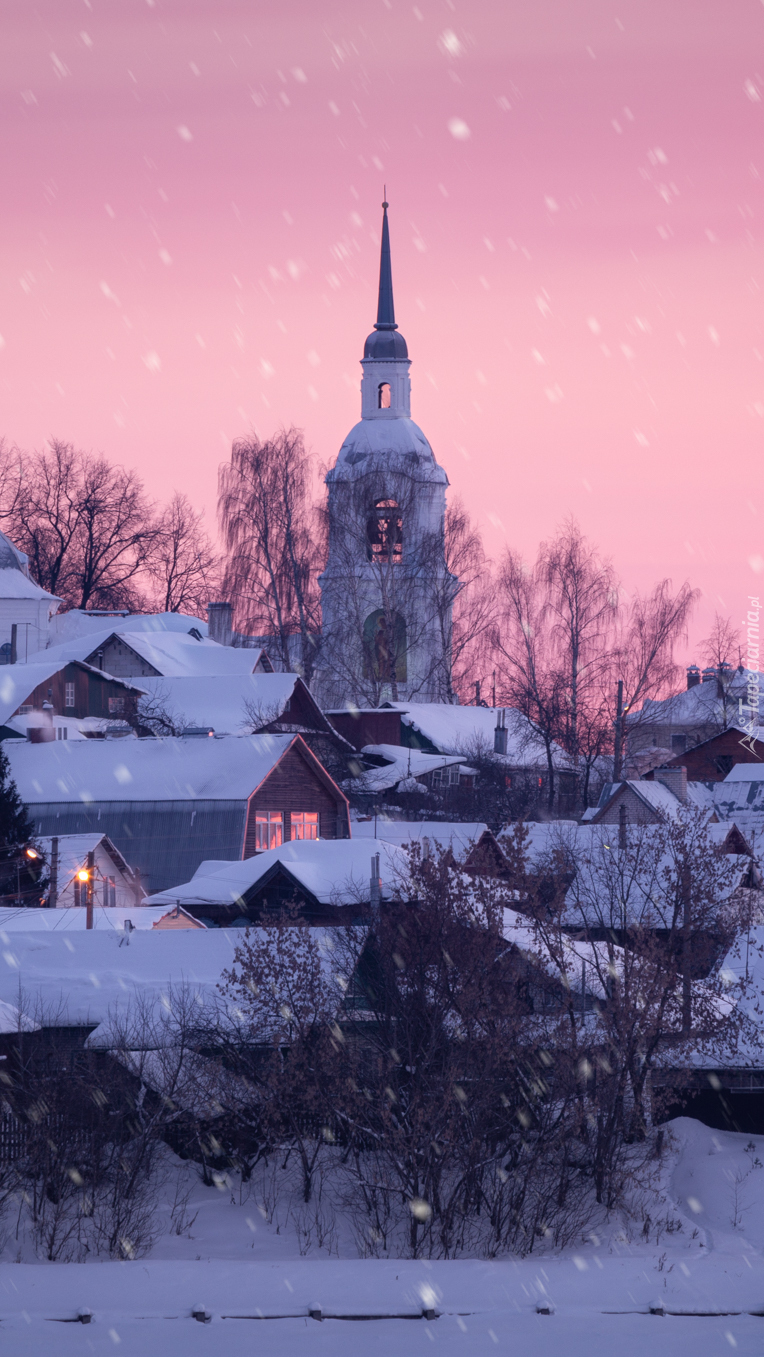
{"points": [[386, 593]]}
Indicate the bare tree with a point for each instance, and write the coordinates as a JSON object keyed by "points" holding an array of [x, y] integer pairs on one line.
{"points": [[566, 640], [270, 535], [531, 678], [582, 603], [650, 625], [463, 603], [86, 526], [183, 565], [655, 912]]}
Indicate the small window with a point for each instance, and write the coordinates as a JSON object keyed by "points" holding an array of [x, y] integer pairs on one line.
{"points": [[79, 893], [269, 830], [724, 764], [110, 892], [304, 824], [446, 777], [383, 396], [116, 706], [678, 744], [69, 695]]}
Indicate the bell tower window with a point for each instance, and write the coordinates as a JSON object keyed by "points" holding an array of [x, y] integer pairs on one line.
{"points": [[384, 533], [383, 396]]}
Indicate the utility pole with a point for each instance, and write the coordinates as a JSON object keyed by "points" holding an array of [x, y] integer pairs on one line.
{"points": [[618, 747], [89, 890], [686, 888], [53, 889]]}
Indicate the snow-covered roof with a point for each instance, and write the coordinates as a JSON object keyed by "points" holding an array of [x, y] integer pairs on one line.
{"points": [[700, 796], [13, 1020], [699, 705], [333, 871], [656, 795], [177, 653], [547, 837], [740, 797], [171, 653], [14, 584], [441, 834], [73, 850], [401, 764], [744, 772], [467, 730], [227, 705], [74, 726], [79, 622], [636, 884], [226, 769], [79, 977], [73, 919], [382, 444], [581, 961], [15, 580]]}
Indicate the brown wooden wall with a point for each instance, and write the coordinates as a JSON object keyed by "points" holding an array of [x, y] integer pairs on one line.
{"points": [[367, 727], [91, 693], [295, 785], [701, 762]]}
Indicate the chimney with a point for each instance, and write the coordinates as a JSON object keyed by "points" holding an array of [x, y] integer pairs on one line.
{"points": [[220, 622], [500, 733], [40, 727], [675, 779], [693, 676], [709, 674]]}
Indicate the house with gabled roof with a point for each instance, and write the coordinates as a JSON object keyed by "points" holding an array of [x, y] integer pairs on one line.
{"points": [[325, 883], [712, 759], [169, 804]]}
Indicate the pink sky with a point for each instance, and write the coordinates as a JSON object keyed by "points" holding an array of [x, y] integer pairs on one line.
{"points": [[189, 247]]}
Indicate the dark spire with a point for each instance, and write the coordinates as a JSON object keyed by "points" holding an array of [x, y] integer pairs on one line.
{"points": [[385, 307]]}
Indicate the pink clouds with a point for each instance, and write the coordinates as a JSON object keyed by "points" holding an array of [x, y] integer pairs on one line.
{"points": [[577, 278]]}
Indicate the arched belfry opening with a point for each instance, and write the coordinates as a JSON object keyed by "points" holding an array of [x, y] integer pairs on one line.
{"points": [[384, 533], [383, 396]]}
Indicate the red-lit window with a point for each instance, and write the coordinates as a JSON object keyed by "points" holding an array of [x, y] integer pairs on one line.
{"points": [[269, 829], [304, 824]]}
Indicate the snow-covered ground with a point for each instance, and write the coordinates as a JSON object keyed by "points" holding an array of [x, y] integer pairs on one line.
{"points": [[702, 1265]]}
